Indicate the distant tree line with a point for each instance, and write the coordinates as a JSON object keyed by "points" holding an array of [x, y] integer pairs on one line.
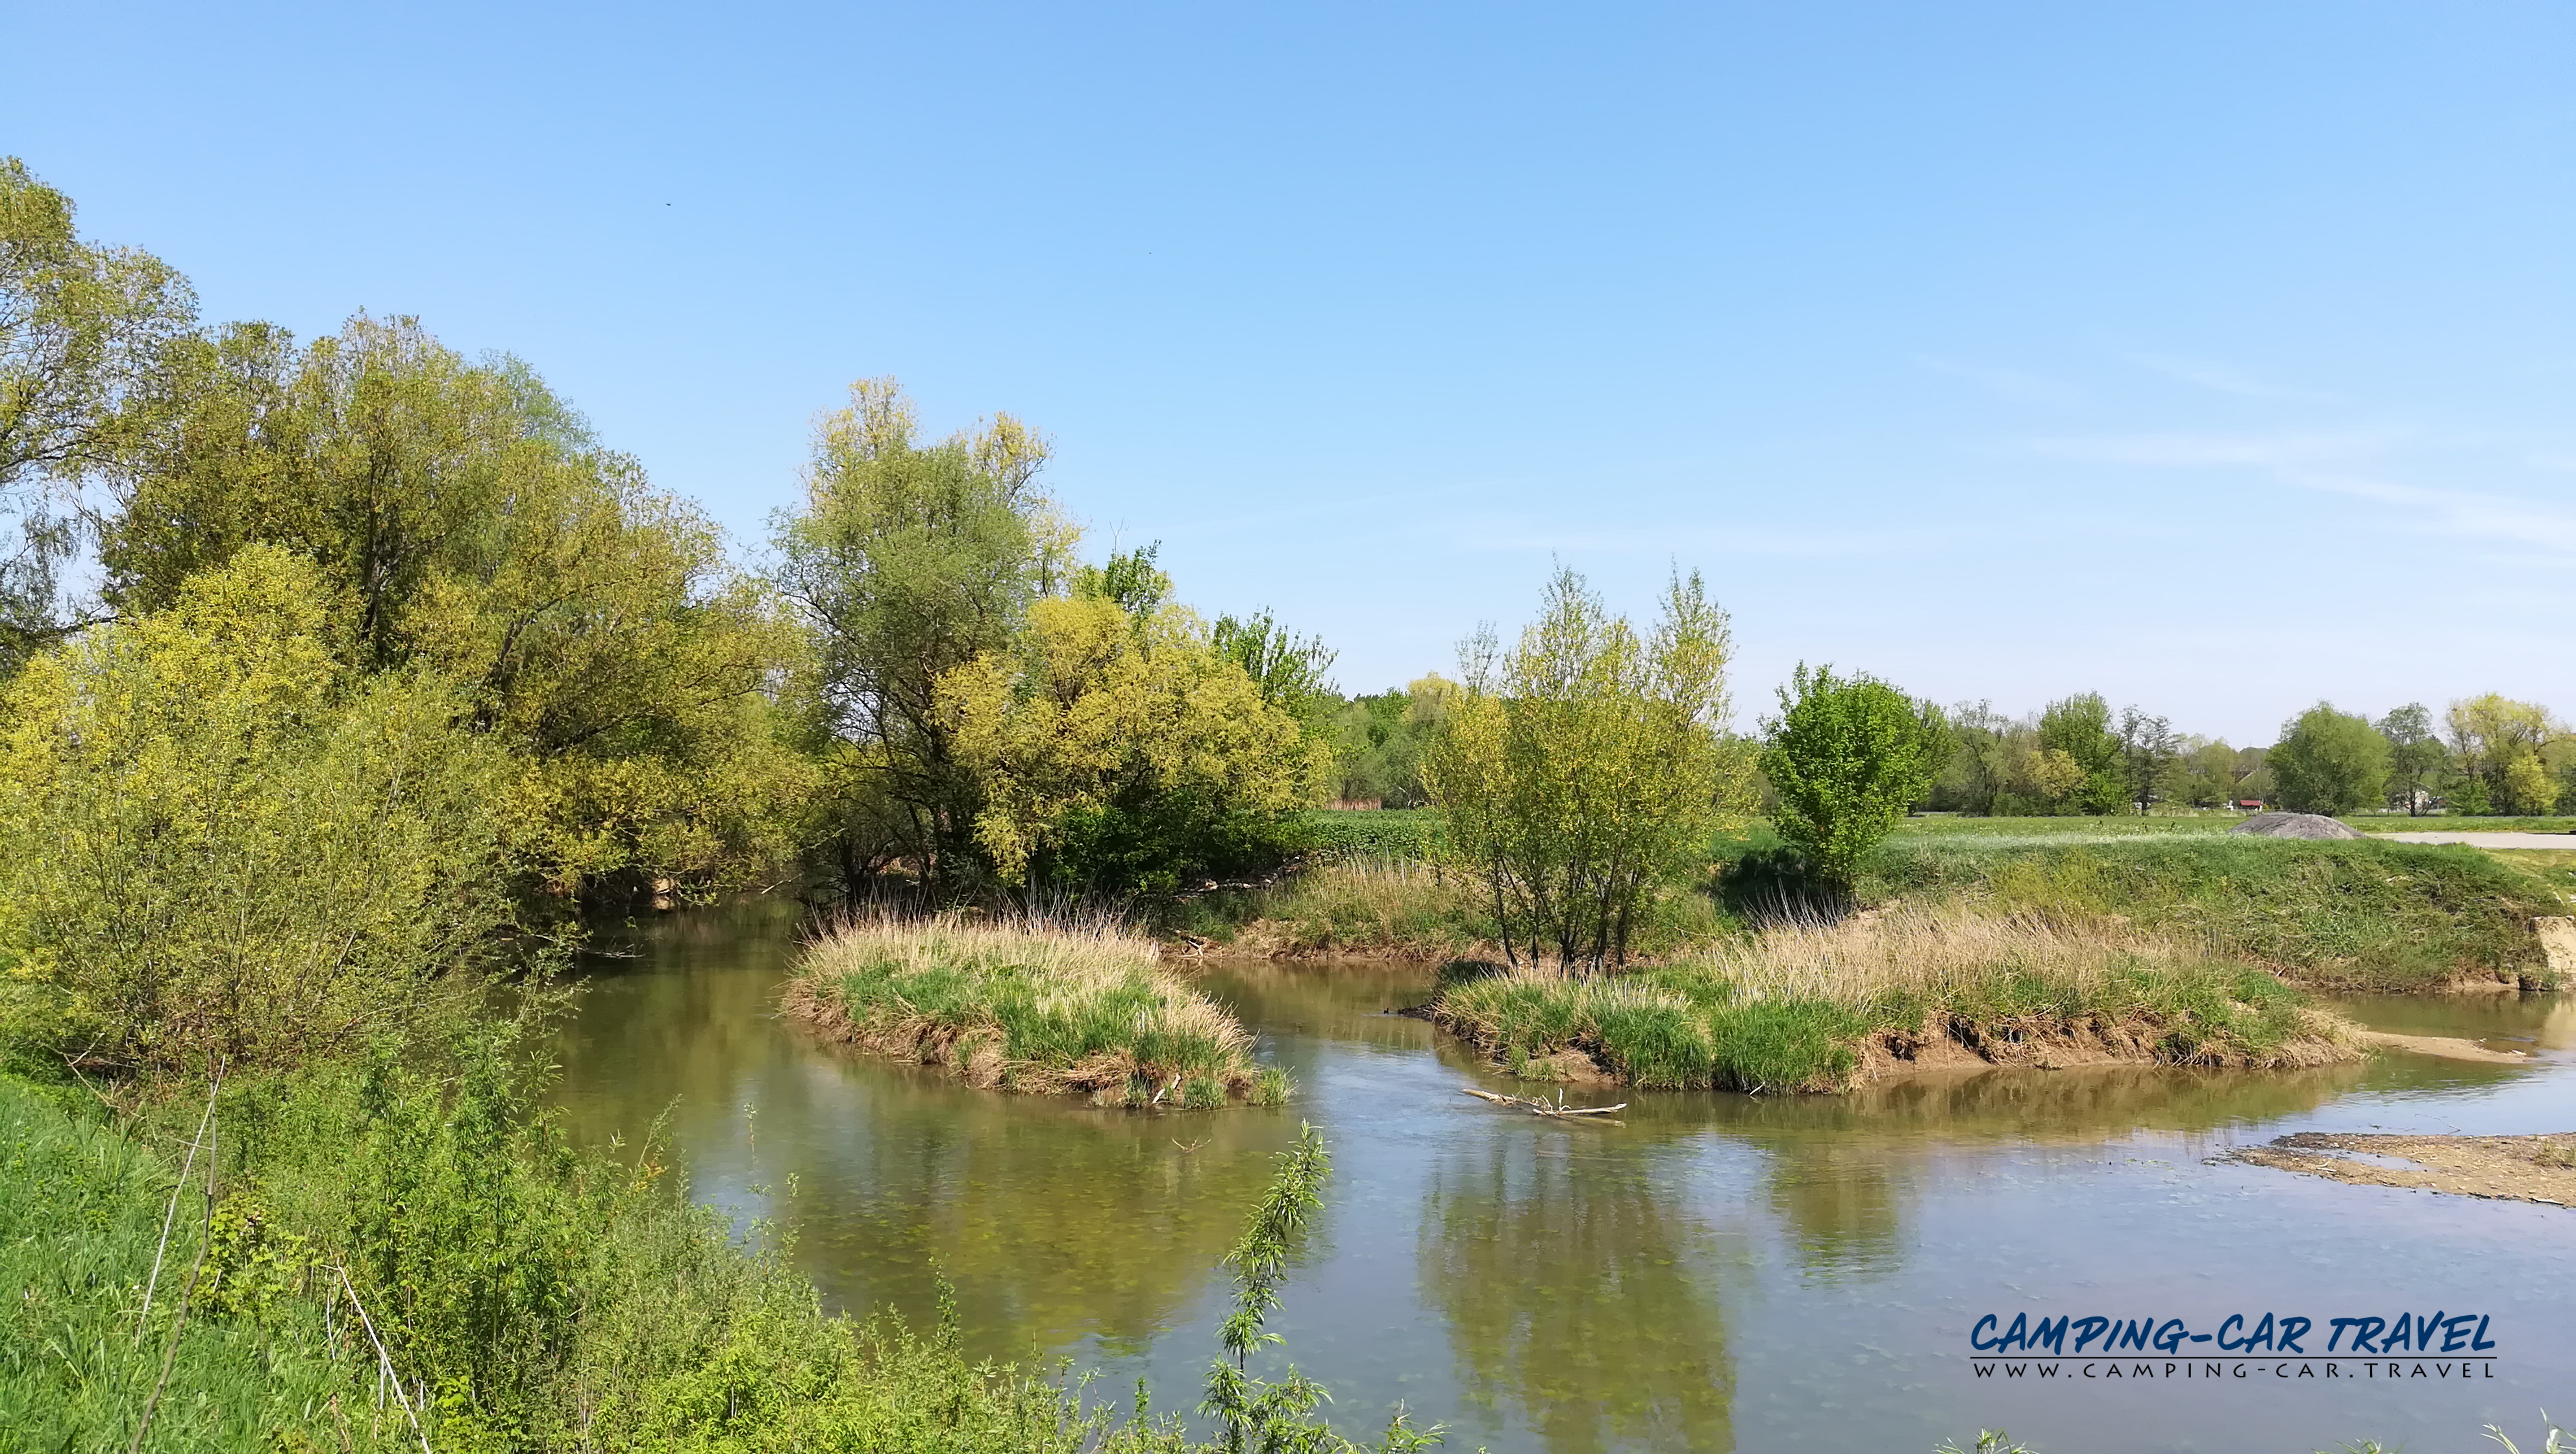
{"points": [[2487, 754]]}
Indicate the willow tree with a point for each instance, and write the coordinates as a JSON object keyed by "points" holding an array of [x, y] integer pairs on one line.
{"points": [[2501, 747], [910, 559], [1584, 770], [218, 839]]}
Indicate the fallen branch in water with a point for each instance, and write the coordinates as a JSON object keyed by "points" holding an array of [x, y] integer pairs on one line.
{"points": [[1556, 1109]]}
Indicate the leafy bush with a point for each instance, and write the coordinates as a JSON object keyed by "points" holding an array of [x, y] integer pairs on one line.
{"points": [[1847, 757], [1379, 833], [1583, 771], [214, 842], [1119, 752]]}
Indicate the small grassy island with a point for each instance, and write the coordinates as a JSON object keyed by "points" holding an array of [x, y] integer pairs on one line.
{"points": [[1822, 1007], [1048, 1008]]}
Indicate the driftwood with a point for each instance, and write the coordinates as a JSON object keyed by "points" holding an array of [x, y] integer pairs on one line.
{"points": [[1554, 1110]]}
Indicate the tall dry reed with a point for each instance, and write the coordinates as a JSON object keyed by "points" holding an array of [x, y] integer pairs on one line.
{"points": [[1933, 954]]}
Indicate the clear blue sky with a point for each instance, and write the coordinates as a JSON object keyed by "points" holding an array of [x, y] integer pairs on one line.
{"points": [[2219, 357]]}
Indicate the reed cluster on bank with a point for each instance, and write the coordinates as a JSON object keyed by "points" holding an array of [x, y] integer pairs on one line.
{"points": [[1818, 1005], [1034, 1004]]}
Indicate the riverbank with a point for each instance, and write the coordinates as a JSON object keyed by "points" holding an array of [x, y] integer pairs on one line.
{"points": [[1041, 1007], [1826, 1007], [2339, 916]]}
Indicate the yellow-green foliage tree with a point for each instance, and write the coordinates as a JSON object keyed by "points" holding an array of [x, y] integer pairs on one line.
{"points": [[463, 520], [1583, 771], [1117, 749], [216, 839], [910, 558], [2498, 745]]}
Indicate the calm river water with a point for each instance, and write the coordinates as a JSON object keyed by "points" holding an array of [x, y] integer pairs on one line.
{"points": [[1722, 1272]]}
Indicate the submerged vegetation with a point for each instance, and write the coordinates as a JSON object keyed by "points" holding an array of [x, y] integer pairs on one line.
{"points": [[1037, 1006]]}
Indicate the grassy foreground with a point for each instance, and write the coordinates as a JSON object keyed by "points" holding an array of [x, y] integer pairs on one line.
{"points": [[381, 1227], [1044, 1007], [1819, 1007], [526, 1297]]}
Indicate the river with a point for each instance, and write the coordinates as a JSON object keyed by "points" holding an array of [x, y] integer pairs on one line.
{"points": [[1721, 1272]]}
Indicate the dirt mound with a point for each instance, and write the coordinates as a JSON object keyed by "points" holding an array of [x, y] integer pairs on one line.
{"points": [[2294, 825], [2502, 1168]]}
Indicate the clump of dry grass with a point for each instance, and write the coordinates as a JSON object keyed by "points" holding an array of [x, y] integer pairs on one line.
{"points": [[1934, 954], [1036, 1004]]}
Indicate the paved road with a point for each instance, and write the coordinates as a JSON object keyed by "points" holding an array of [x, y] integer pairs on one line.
{"points": [[2490, 840]]}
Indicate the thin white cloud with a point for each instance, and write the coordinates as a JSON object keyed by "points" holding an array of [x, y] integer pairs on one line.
{"points": [[2274, 449], [2225, 379], [2335, 463], [1524, 533], [2470, 514]]}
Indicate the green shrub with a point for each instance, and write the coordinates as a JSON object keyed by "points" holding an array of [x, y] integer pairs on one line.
{"points": [[545, 1299], [1382, 832]]}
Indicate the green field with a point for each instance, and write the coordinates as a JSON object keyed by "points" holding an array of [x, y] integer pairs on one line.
{"points": [[2446, 823]]}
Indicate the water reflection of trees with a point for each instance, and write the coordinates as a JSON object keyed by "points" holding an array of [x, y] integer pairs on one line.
{"points": [[1842, 1204], [1577, 1288], [2021, 1105], [1052, 1221], [1844, 1171]]}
